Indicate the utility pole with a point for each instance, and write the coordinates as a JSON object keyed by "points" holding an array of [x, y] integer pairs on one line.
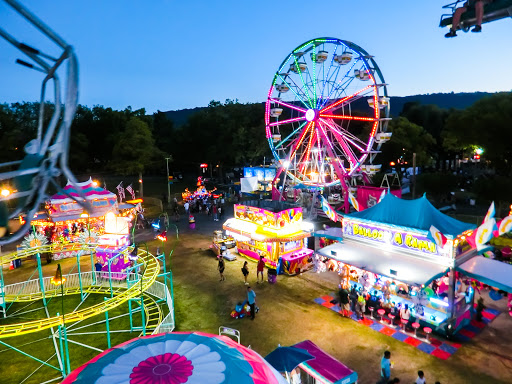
{"points": [[414, 175], [168, 182]]}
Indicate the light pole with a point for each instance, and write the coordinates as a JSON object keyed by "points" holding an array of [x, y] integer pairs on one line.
{"points": [[168, 182]]}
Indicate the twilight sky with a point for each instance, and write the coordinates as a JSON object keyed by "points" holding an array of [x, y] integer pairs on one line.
{"points": [[168, 55]]}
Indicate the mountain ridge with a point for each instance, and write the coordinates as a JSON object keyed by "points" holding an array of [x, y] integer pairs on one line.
{"points": [[450, 100]]}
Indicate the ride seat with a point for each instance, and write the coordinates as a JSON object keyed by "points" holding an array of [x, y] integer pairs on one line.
{"points": [[496, 10]]}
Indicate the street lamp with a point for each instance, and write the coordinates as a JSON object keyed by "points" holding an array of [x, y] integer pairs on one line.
{"points": [[57, 280]]}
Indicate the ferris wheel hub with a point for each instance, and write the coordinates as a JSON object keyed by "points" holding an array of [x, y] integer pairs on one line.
{"points": [[312, 114]]}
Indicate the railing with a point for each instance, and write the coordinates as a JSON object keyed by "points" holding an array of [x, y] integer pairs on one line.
{"points": [[161, 291], [32, 290]]}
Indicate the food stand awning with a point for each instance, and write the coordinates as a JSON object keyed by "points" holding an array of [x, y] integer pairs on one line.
{"points": [[418, 214], [403, 267], [266, 234], [488, 271], [324, 366]]}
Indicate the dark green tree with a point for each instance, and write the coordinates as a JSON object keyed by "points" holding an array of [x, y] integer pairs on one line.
{"points": [[408, 138], [485, 124], [134, 149]]}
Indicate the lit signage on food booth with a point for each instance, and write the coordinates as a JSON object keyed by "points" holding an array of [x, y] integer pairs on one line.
{"points": [[401, 239], [267, 218]]}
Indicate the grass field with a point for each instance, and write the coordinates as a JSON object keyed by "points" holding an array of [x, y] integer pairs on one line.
{"points": [[288, 315], [91, 332]]}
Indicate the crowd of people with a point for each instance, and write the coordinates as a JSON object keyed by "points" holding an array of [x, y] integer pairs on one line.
{"points": [[210, 206]]}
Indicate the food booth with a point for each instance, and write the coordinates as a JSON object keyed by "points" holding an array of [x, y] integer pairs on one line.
{"points": [[279, 235], [387, 251]]}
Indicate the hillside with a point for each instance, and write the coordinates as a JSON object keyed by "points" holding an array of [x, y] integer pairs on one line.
{"points": [[443, 100]]}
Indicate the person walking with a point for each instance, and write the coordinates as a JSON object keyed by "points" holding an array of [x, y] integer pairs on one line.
{"points": [[245, 271], [221, 268], [385, 368], [221, 211], [251, 299], [214, 211], [259, 270], [187, 207]]}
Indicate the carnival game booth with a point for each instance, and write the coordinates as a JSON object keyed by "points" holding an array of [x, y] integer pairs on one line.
{"points": [[388, 251], [277, 234]]}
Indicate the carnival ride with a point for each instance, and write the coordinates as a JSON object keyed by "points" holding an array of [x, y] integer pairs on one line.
{"points": [[326, 115], [138, 286], [493, 11], [46, 156], [200, 193]]}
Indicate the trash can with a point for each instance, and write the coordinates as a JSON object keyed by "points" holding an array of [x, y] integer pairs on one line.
{"points": [[272, 276]]}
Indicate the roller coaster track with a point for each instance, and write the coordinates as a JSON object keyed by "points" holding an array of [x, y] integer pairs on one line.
{"points": [[120, 295]]}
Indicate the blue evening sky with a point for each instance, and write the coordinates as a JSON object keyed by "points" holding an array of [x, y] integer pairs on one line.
{"points": [[167, 55]]}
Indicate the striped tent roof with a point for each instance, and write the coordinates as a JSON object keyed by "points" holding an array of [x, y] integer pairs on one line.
{"points": [[87, 188]]}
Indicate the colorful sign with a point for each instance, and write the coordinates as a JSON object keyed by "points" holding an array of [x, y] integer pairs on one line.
{"points": [[269, 219], [396, 238]]}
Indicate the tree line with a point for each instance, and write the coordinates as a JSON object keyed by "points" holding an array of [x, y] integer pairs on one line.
{"points": [[232, 134]]}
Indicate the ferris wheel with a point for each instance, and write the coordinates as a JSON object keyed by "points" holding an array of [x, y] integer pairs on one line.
{"points": [[326, 114]]}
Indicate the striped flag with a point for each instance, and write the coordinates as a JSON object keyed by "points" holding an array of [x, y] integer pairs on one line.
{"points": [[484, 233], [353, 201], [120, 191], [131, 191], [437, 236], [490, 213]]}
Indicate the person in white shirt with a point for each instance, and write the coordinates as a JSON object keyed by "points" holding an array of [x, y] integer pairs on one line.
{"points": [[421, 378], [405, 314], [295, 376]]}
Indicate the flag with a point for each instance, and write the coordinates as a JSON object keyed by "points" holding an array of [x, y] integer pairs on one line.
{"points": [[329, 211], [382, 195], [120, 191], [484, 233], [353, 201], [437, 236], [490, 213], [131, 191], [505, 225]]}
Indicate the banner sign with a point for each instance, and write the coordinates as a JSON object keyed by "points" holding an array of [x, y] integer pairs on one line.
{"points": [[262, 173], [396, 238], [268, 218]]}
